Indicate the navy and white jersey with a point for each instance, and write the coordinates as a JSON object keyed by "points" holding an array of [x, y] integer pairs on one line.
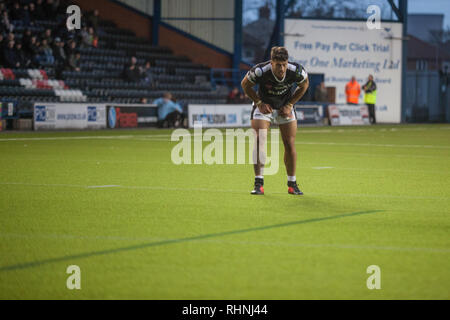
{"points": [[272, 90]]}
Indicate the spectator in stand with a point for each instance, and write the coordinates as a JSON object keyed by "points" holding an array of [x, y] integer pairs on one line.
{"points": [[16, 12], [71, 48], [233, 96], [87, 37], [26, 37], [22, 57], [46, 53], [60, 57], [51, 9], [2, 46], [321, 95], [11, 37], [48, 36], [32, 11], [59, 52], [94, 20], [170, 114], [147, 74], [243, 98], [39, 11], [75, 62], [10, 56], [25, 18], [32, 50], [132, 72], [5, 22]]}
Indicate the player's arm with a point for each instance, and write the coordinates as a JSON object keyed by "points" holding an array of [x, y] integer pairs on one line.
{"points": [[247, 86], [298, 94]]}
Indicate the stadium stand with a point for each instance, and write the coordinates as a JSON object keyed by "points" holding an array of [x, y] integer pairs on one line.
{"points": [[98, 75]]}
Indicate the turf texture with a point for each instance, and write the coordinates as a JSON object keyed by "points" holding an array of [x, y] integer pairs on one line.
{"points": [[141, 227]]}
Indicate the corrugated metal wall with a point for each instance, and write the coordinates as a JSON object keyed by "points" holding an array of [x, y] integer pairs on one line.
{"points": [[217, 32], [145, 6]]}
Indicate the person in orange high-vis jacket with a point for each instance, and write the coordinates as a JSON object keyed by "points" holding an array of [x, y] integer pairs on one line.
{"points": [[352, 91]]}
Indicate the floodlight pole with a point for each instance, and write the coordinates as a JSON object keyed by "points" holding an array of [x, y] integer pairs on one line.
{"points": [[156, 19], [237, 54], [280, 22], [403, 8]]}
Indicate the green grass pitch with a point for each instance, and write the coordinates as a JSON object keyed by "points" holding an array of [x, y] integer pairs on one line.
{"points": [[373, 196]]}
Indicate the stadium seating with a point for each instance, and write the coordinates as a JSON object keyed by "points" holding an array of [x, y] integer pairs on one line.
{"points": [[100, 78]]}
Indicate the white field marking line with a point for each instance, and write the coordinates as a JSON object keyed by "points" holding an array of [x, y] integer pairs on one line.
{"points": [[157, 136], [98, 162], [104, 187], [263, 243], [68, 138], [228, 191], [374, 145], [380, 170], [378, 155]]}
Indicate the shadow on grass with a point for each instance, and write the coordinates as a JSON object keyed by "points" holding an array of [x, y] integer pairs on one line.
{"points": [[33, 264]]}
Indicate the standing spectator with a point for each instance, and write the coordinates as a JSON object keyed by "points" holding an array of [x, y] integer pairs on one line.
{"points": [[32, 10], [59, 52], [94, 20], [352, 91], [26, 37], [22, 57], [11, 37], [5, 23], [39, 11], [51, 9], [32, 50], [370, 98], [321, 95], [25, 18], [132, 72], [2, 46], [10, 56], [71, 48], [46, 53], [87, 38], [48, 36], [147, 74], [75, 61], [16, 12], [60, 57]]}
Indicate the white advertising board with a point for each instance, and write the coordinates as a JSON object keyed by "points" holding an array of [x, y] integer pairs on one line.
{"points": [[342, 49], [220, 116], [61, 116]]}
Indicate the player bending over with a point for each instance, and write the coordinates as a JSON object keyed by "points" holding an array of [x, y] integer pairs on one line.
{"points": [[274, 103]]}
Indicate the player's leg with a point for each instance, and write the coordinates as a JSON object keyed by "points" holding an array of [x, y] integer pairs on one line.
{"points": [[260, 128], [288, 134]]}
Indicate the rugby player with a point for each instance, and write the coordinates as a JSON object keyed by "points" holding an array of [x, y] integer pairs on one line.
{"points": [[281, 85]]}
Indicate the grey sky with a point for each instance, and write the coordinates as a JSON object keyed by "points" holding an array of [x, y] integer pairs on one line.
{"points": [[414, 6], [431, 6]]}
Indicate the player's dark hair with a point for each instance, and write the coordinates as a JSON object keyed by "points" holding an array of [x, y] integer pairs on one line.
{"points": [[279, 54]]}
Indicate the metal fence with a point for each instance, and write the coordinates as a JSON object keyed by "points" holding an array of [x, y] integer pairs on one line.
{"points": [[428, 99]]}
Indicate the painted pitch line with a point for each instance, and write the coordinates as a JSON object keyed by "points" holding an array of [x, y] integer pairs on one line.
{"points": [[103, 187], [185, 189], [38, 263], [263, 243]]}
